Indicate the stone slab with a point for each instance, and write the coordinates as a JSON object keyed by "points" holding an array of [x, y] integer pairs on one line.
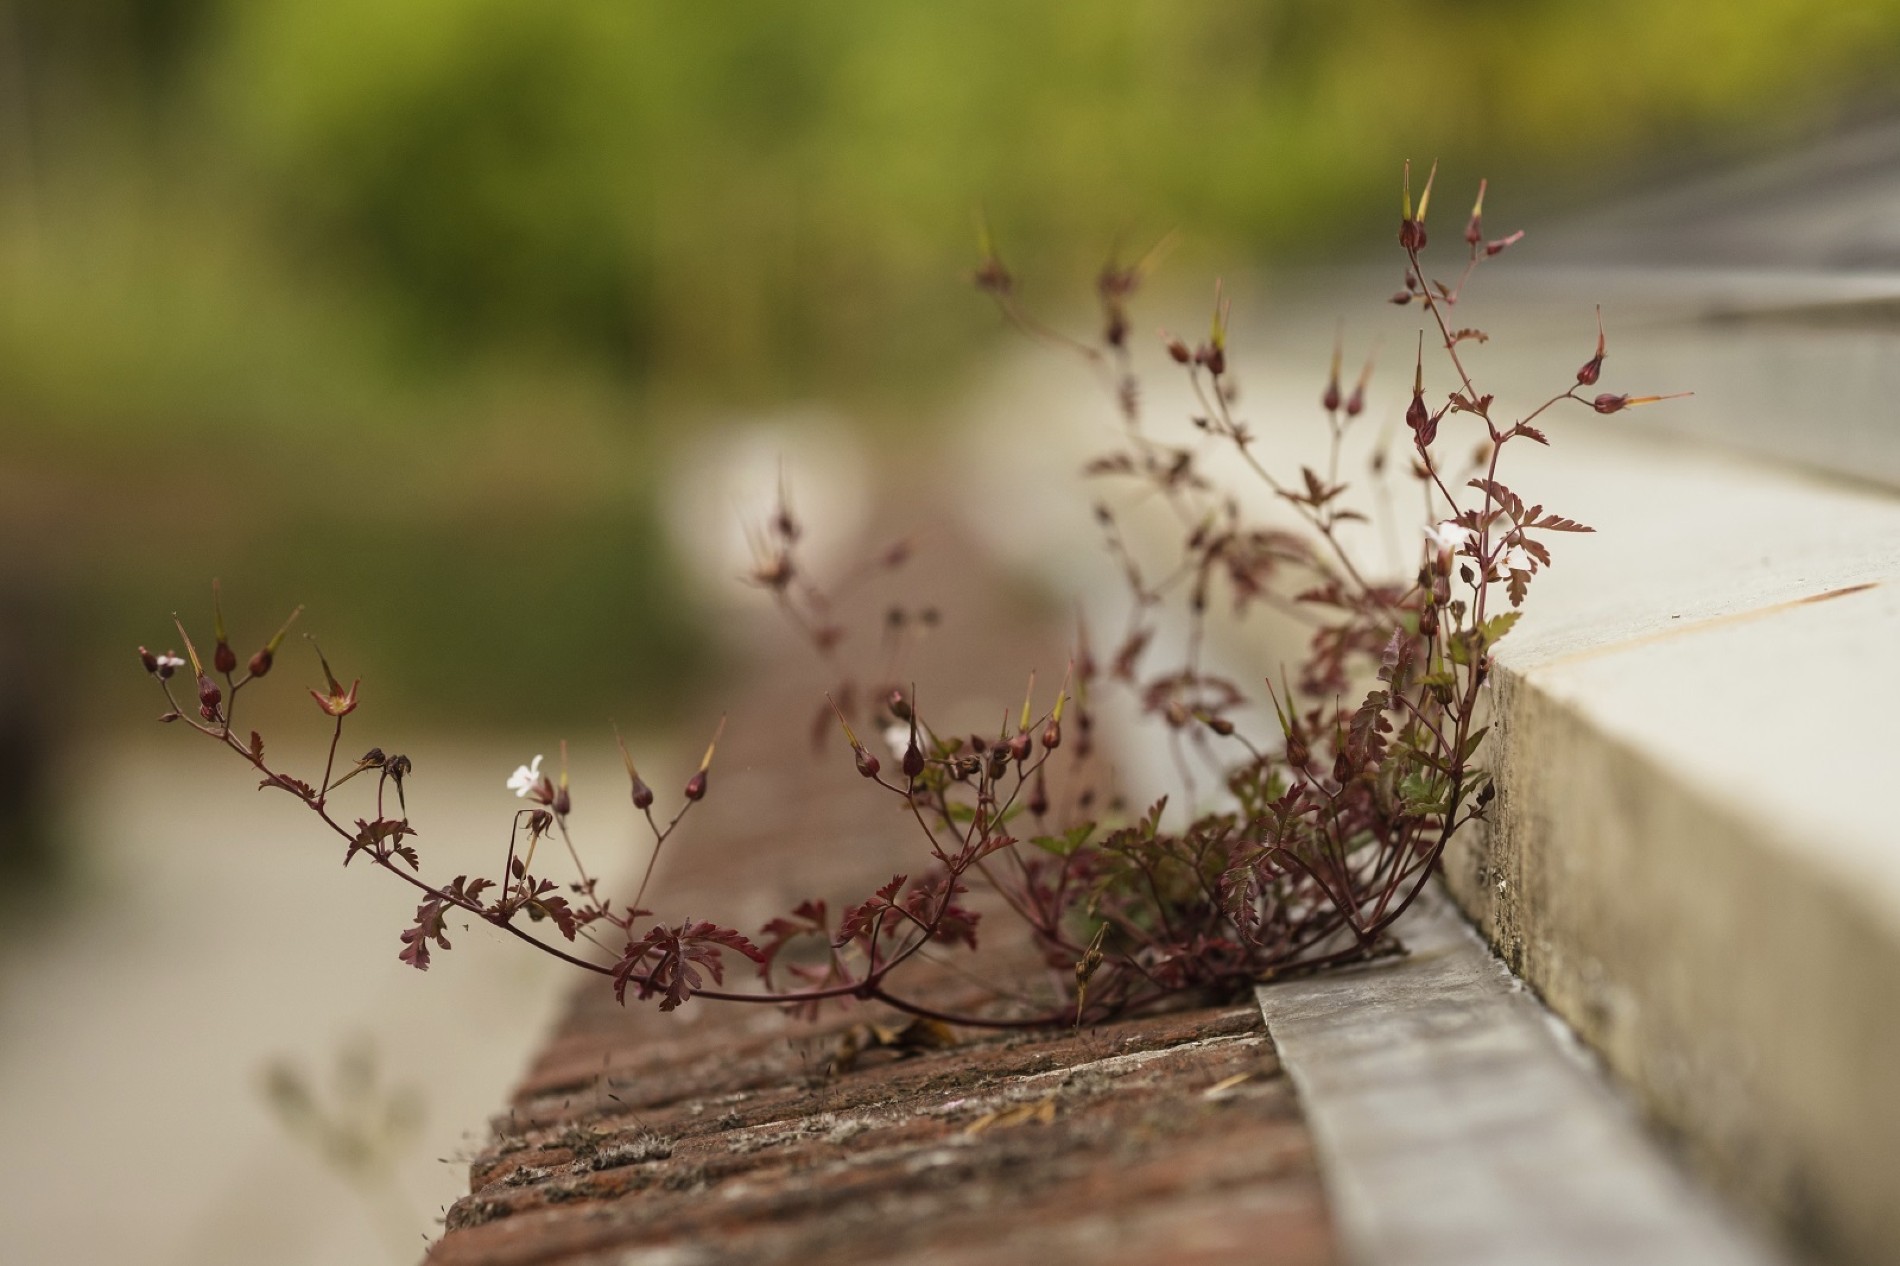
{"points": [[1454, 1127]]}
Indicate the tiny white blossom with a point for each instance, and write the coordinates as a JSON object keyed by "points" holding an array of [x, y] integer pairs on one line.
{"points": [[170, 662], [1448, 535], [1517, 558], [897, 736], [525, 777]]}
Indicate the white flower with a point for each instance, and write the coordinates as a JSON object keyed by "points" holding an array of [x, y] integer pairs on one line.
{"points": [[525, 778], [897, 736], [1517, 558], [169, 664], [1448, 535]]}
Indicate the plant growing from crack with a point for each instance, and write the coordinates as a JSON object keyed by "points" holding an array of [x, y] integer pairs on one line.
{"points": [[1328, 832]]}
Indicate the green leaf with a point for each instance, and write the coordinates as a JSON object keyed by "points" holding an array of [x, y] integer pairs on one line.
{"points": [[1497, 626], [1066, 844]]}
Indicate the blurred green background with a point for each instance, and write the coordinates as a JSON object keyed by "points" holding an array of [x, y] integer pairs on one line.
{"points": [[399, 308]]}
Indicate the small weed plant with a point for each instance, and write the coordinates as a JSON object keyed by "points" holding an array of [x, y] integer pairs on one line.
{"points": [[1327, 833]]}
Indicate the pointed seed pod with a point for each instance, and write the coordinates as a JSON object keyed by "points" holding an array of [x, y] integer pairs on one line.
{"points": [[1330, 399], [1593, 368]]}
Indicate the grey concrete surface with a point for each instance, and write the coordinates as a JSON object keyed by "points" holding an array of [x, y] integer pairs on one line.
{"points": [[1454, 1129]]}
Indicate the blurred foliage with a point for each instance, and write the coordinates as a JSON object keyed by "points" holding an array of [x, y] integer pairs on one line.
{"points": [[319, 250]]}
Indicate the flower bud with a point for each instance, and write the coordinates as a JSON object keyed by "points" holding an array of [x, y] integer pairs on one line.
{"points": [[562, 803], [913, 759], [168, 718], [898, 705], [696, 786], [1221, 726], [1176, 348], [149, 660], [642, 795], [223, 658]]}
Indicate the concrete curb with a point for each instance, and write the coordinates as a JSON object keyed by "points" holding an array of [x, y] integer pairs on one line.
{"points": [[1454, 1126]]}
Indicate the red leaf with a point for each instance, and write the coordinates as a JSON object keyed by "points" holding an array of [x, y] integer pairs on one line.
{"points": [[428, 926]]}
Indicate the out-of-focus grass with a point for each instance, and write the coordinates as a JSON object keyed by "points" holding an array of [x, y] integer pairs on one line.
{"points": [[391, 308]]}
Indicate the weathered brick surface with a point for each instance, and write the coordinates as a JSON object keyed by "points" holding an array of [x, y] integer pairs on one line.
{"points": [[728, 1141], [718, 1134]]}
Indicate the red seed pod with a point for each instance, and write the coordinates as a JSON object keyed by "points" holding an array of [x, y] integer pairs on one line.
{"points": [[1296, 753], [696, 786], [1419, 418], [562, 804], [1052, 736], [867, 763], [261, 662], [1176, 348], [224, 659], [1330, 399], [1019, 748], [1608, 403], [1039, 796], [208, 693], [1592, 368], [913, 759], [642, 795], [1412, 235], [1495, 247], [999, 761]]}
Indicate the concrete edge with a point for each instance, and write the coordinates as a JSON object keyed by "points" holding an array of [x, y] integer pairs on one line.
{"points": [[1456, 1125]]}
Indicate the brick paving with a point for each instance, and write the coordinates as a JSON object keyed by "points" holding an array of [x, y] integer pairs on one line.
{"points": [[722, 1134]]}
